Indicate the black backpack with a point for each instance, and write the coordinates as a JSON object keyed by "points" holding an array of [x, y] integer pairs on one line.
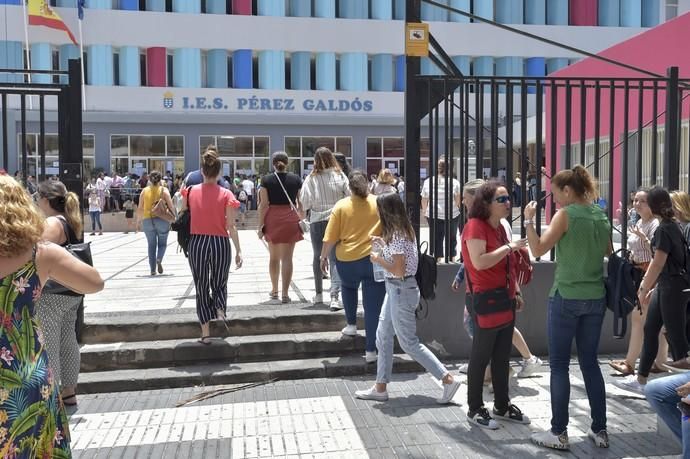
{"points": [[621, 290], [426, 273], [183, 226]]}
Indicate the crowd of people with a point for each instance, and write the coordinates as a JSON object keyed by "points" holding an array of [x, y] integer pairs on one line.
{"points": [[362, 237]]}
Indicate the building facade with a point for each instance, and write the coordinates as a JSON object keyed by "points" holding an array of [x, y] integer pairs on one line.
{"points": [[166, 78]]}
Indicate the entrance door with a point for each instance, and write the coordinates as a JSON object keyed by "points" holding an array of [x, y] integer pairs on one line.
{"points": [[138, 166], [307, 167], [227, 168]]}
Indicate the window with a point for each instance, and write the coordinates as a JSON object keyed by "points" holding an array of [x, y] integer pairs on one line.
{"points": [[301, 150], [52, 153], [386, 152], [240, 155], [144, 153]]}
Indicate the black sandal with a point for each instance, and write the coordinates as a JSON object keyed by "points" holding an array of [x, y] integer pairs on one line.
{"points": [[70, 397], [206, 340]]}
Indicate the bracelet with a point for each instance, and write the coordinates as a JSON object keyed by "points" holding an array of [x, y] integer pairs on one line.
{"points": [[528, 222]]}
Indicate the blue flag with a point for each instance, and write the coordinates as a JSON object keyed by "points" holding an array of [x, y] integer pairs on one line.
{"points": [[80, 8]]}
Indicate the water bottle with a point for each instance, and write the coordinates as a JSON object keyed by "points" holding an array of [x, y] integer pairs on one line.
{"points": [[379, 272]]}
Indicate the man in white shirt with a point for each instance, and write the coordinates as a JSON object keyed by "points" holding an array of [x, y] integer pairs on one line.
{"points": [[437, 219], [248, 187]]}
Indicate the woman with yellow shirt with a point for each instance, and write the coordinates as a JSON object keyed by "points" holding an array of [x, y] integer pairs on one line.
{"points": [[354, 221], [156, 229]]}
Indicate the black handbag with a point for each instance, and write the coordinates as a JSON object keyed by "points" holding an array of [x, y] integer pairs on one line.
{"points": [[80, 250], [183, 225]]}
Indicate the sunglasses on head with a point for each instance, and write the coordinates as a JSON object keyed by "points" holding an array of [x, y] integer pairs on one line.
{"points": [[502, 199]]}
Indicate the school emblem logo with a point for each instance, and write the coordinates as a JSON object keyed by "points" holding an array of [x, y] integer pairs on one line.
{"points": [[168, 99]]}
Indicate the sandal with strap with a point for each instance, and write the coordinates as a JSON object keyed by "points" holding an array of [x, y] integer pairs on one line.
{"points": [[286, 300], [206, 340], [273, 295], [72, 400], [220, 315], [622, 367]]}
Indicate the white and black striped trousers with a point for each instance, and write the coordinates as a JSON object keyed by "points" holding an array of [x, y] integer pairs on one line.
{"points": [[209, 258]]}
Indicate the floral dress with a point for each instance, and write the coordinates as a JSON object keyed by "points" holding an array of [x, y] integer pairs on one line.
{"points": [[32, 418]]}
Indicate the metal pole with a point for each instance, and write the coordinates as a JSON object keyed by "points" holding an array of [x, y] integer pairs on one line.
{"points": [[672, 140], [413, 9]]}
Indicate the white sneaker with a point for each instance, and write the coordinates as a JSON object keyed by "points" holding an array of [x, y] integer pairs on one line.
{"points": [[600, 439], [336, 304], [630, 384], [318, 298], [529, 367], [372, 394], [371, 356], [463, 368], [350, 330], [449, 391], [551, 440]]}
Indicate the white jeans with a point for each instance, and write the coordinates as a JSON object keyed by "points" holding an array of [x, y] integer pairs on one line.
{"points": [[398, 319]]}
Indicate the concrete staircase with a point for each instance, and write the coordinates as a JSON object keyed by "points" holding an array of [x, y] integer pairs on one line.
{"points": [[155, 351]]}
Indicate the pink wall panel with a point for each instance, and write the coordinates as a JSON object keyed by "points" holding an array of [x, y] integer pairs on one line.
{"points": [[584, 12], [242, 7], [156, 66]]}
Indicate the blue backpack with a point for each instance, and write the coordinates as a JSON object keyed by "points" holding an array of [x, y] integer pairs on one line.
{"points": [[621, 290]]}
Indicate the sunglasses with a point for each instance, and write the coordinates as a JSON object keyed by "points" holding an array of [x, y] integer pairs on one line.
{"points": [[502, 199]]}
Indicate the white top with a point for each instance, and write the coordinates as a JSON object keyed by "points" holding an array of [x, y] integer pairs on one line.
{"points": [[401, 246], [641, 251], [94, 203], [321, 191], [248, 187], [382, 188], [440, 202], [108, 180]]}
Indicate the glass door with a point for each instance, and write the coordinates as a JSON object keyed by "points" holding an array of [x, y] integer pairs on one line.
{"points": [[307, 167], [138, 166], [227, 168]]}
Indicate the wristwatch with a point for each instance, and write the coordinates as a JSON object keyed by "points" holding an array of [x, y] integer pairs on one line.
{"points": [[528, 222]]}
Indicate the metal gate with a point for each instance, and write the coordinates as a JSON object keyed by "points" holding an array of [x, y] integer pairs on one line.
{"points": [[33, 102]]}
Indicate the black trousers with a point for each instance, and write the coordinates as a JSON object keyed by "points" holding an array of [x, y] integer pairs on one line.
{"points": [[438, 226], [668, 308], [494, 346]]}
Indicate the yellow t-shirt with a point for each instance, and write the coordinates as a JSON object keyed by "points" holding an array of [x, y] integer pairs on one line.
{"points": [[353, 221], [148, 198]]}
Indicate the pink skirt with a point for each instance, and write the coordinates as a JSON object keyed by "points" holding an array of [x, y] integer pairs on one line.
{"points": [[281, 225]]}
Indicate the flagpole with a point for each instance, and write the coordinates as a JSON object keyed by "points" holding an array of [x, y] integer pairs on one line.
{"points": [[26, 51], [81, 60]]}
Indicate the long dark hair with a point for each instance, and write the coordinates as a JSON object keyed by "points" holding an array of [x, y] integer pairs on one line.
{"points": [[483, 197], [659, 202], [394, 218], [579, 180], [64, 202]]}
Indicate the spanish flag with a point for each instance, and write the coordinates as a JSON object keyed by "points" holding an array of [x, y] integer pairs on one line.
{"points": [[41, 14]]}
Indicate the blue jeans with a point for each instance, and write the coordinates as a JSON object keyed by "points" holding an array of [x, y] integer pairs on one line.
{"points": [[156, 230], [95, 220], [398, 319], [582, 320], [661, 394], [353, 273], [316, 232]]}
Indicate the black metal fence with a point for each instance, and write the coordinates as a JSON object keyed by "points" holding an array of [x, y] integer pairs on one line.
{"points": [[628, 132]]}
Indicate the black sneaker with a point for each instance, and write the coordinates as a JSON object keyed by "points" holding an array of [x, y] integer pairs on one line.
{"points": [[482, 418], [512, 414]]}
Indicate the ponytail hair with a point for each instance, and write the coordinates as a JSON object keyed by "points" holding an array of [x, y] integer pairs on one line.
{"points": [[65, 203], [578, 180], [660, 203], [155, 178], [210, 164]]}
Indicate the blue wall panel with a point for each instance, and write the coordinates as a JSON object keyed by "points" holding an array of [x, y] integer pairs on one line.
{"points": [[555, 64], [216, 7], [382, 9], [41, 59], [325, 72], [129, 5], [300, 8], [434, 13], [609, 13], [217, 68], [271, 8], [187, 67], [462, 63], [242, 75], [98, 4], [650, 13], [187, 6], [426, 67], [399, 10], [535, 12], [463, 5], [155, 5], [535, 66], [272, 69], [484, 8], [100, 65], [509, 11], [66, 53], [10, 2], [130, 63], [483, 66], [60, 3], [324, 9], [382, 72], [354, 9], [557, 12], [11, 57], [399, 73], [509, 66], [354, 75], [631, 13], [300, 70]]}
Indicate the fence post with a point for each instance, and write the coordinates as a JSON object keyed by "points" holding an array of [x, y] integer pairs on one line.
{"points": [[413, 9], [672, 132]]}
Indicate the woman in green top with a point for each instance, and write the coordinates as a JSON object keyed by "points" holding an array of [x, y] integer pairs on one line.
{"points": [[580, 232]]}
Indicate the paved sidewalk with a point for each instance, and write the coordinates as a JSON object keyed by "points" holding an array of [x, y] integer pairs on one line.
{"points": [[321, 418]]}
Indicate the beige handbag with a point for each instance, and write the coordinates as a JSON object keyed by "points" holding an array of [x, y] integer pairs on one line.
{"points": [[160, 209]]}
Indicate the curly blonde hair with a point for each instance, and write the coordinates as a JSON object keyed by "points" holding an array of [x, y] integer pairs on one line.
{"points": [[22, 222]]}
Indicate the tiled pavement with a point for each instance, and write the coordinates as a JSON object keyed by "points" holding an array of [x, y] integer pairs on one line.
{"points": [[321, 418]]}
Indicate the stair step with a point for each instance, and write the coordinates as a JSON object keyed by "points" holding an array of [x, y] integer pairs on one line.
{"points": [[176, 326], [233, 373], [152, 354]]}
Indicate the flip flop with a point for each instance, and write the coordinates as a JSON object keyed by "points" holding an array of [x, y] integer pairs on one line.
{"points": [[205, 340], [70, 397]]}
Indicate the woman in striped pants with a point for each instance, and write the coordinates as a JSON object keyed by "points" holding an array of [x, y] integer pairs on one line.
{"points": [[212, 209]]}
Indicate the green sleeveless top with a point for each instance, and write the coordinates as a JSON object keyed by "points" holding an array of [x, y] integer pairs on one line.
{"points": [[580, 254]]}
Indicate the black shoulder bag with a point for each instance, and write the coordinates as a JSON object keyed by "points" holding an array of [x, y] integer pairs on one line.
{"points": [[78, 249]]}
